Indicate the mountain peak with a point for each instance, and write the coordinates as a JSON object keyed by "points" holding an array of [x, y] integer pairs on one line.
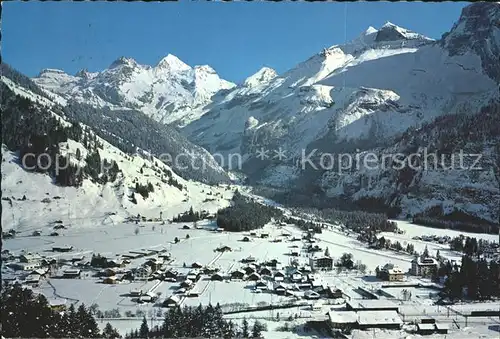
{"points": [[392, 32], [84, 73], [389, 24], [370, 30], [123, 61], [262, 76], [172, 62], [205, 69], [49, 71]]}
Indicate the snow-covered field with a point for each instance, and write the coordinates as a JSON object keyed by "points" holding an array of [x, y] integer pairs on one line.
{"points": [[115, 239]]}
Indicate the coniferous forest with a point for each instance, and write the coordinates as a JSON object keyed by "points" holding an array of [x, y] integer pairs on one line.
{"points": [[245, 214], [29, 315], [196, 322]]}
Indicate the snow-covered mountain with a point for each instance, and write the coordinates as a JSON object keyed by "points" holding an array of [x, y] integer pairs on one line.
{"points": [[358, 95], [370, 94], [102, 197], [169, 92]]}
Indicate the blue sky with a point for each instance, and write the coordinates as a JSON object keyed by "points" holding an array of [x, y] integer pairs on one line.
{"points": [[235, 38]]}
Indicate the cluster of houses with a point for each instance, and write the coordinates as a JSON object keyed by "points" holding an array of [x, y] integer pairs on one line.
{"points": [[434, 238], [420, 266], [272, 277]]}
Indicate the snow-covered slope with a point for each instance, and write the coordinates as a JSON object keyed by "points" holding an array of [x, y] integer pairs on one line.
{"points": [[169, 92], [94, 202]]}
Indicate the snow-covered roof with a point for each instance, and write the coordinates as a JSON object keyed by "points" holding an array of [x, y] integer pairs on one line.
{"points": [[343, 317], [378, 317], [372, 303]]}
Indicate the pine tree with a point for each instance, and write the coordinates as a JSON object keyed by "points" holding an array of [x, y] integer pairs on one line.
{"points": [[244, 330], [327, 252], [144, 330], [257, 329], [426, 252], [110, 332]]}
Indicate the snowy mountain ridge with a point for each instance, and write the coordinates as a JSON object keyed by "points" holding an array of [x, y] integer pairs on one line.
{"points": [[169, 92], [360, 95]]}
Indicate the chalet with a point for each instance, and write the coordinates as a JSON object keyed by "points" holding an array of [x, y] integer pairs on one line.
{"points": [[250, 269], [186, 283], [253, 234], [71, 274], [186, 227], [193, 275], [135, 293], [171, 301], [110, 280], [305, 269], [224, 248], [279, 288], [272, 263], [249, 259], [296, 277], [171, 274], [311, 295], [57, 304], [54, 234], [165, 256], [59, 227], [210, 270], [425, 267], [62, 248], [193, 294], [390, 272], [154, 263], [37, 233], [264, 235], [142, 272], [181, 290], [237, 274], [107, 272], [261, 284], [30, 258], [196, 265], [279, 276], [32, 279], [245, 239], [321, 262], [334, 293], [116, 263], [132, 255], [217, 277], [219, 229], [77, 258], [265, 271], [254, 277]]}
